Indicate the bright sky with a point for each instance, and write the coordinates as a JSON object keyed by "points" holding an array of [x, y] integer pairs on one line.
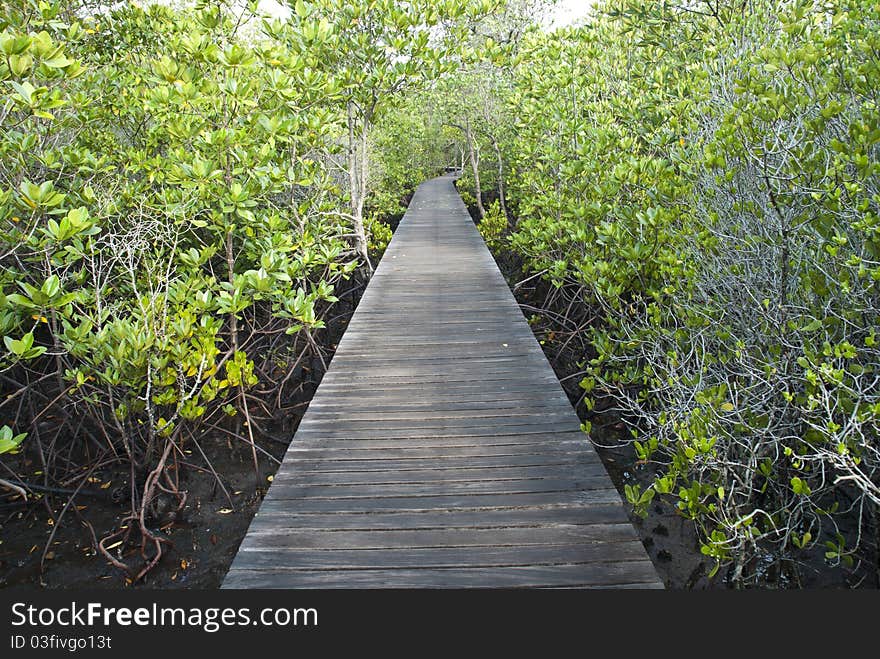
{"points": [[567, 11], [274, 7]]}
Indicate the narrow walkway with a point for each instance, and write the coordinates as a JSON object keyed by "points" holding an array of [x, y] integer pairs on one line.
{"points": [[440, 449]]}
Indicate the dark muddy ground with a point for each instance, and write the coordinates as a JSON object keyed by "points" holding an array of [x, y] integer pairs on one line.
{"points": [[205, 536]]}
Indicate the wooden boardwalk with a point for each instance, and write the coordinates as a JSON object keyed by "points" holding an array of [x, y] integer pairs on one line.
{"points": [[440, 449]]}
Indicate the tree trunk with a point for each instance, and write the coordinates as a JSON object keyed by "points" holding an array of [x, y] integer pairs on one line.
{"points": [[502, 200], [230, 277], [233, 334], [475, 165], [362, 186], [355, 182], [300, 220]]}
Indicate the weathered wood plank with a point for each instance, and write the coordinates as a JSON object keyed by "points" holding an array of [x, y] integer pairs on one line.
{"points": [[296, 489], [405, 429], [594, 575], [307, 476], [440, 450], [559, 534], [369, 415], [350, 407], [521, 433], [439, 557], [463, 391], [461, 380], [447, 464], [268, 521], [437, 439], [457, 422], [444, 502]]}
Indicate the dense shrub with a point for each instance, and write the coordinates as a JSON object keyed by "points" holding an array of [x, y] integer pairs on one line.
{"points": [[706, 178], [175, 217]]}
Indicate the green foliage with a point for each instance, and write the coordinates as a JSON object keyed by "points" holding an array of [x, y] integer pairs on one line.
{"points": [[167, 207], [378, 234], [377, 49], [404, 150], [9, 441], [493, 226], [184, 174], [707, 182], [467, 197]]}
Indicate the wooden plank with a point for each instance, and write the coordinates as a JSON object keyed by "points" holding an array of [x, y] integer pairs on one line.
{"points": [[592, 575], [440, 449], [460, 438], [559, 534], [392, 345], [422, 450], [430, 418], [522, 433], [463, 392], [452, 463], [305, 476], [369, 414], [490, 354], [390, 427], [444, 502], [269, 521], [438, 557], [297, 489], [456, 378]]}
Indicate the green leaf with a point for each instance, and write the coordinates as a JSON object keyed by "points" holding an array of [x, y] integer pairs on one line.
{"points": [[20, 300], [9, 441], [58, 62], [800, 487], [52, 286]]}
